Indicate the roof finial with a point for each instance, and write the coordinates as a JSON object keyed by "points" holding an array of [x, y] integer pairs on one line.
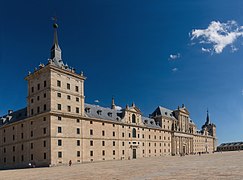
{"points": [[113, 106], [133, 104], [207, 119], [56, 53]]}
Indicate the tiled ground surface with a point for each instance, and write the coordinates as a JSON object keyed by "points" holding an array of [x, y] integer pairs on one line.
{"points": [[227, 165]]}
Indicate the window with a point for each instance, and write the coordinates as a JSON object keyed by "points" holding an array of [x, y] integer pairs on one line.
{"points": [[59, 95], [103, 152], [58, 83], [68, 86], [103, 133], [13, 148], [32, 111], [44, 95], [44, 130], [31, 157], [59, 118], [91, 122], [38, 109], [59, 129], [44, 108], [133, 118], [114, 152], [44, 156], [78, 153], [129, 134], [76, 88], [44, 143], [113, 125], [69, 108], [22, 135], [103, 124], [149, 136], [123, 134], [38, 86], [77, 110], [44, 119], [91, 132], [91, 153], [59, 154], [68, 97], [22, 147], [59, 106], [91, 143], [31, 146], [32, 89], [44, 83], [114, 134], [22, 158], [123, 144], [32, 100], [59, 142], [38, 98], [114, 143], [134, 133], [77, 99], [13, 158], [78, 142], [103, 143], [31, 133], [78, 130], [78, 120]]}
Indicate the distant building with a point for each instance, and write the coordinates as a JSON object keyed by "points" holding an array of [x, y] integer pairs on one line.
{"points": [[232, 146], [58, 126]]}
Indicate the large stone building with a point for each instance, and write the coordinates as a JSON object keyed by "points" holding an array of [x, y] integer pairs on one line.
{"points": [[58, 126]]}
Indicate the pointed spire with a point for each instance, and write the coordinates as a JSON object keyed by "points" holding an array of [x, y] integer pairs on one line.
{"points": [[133, 104], [207, 119], [113, 106], [56, 53]]}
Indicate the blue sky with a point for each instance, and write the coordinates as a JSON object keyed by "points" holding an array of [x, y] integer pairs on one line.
{"points": [[154, 53]]}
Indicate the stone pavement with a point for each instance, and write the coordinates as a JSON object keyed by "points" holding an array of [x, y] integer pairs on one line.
{"points": [[226, 165]]}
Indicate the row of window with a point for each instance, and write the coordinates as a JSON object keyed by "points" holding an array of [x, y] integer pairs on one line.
{"points": [[68, 97], [59, 84], [23, 159], [38, 109], [59, 107], [37, 98], [38, 86], [22, 147]]}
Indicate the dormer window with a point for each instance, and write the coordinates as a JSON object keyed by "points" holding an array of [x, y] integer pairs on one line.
{"points": [[109, 114], [151, 122], [146, 121], [165, 113], [133, 118], [87, 110], [99, 112]]}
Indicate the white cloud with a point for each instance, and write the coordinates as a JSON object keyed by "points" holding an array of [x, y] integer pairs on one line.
{"points": [[174, 69], [118, 108], [219, 35], [96, 101], [174, 56]]}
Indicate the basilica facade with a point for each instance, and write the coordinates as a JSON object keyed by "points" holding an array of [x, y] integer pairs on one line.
{"points": [[58, 126]]}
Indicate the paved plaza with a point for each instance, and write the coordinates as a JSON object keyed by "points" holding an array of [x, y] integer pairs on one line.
{"points": [[226, 165]]}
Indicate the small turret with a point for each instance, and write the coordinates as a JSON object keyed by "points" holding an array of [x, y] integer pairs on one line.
{"points": [[113, 106]]}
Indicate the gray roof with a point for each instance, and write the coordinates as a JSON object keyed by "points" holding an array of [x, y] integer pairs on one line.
{"points": [[13, 117], [95, 111], [162, 111], [231, 144]]}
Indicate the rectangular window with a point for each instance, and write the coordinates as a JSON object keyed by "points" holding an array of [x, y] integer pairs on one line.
{"points": [[123, 152], [114, 143], [123, 144], [77, 99], [59, 118], [78, 130], [32, 111], [31, 145], [22, 147], [78, 120], [59, 142], [103, 153], [38, 86], [91, 143], [77, 110], [44, 130], [69, 108], [114, 152], [44, 156], [91, 132], [114, 134], [103, 143], [32, 89], [38, 109], [59, 95], [68, 97], [78, 153], [44, 108], [68, 86], [78, 142], [59, 154], [91, 122], [44, 143], [123, 134], [103, 133], [22, 135], [31, 133], [91, 153], [76, 88], [59, 106], [58, 83], [59, 129], [44, 95], [13, 148], [44, 83], [22, 158]]}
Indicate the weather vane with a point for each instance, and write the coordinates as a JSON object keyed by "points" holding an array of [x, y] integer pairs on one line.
{"points": [[55, 25]]}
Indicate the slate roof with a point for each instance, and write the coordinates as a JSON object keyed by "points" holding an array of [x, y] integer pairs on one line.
{"points": [[162, 111], [231, 144], [13, 117]]}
